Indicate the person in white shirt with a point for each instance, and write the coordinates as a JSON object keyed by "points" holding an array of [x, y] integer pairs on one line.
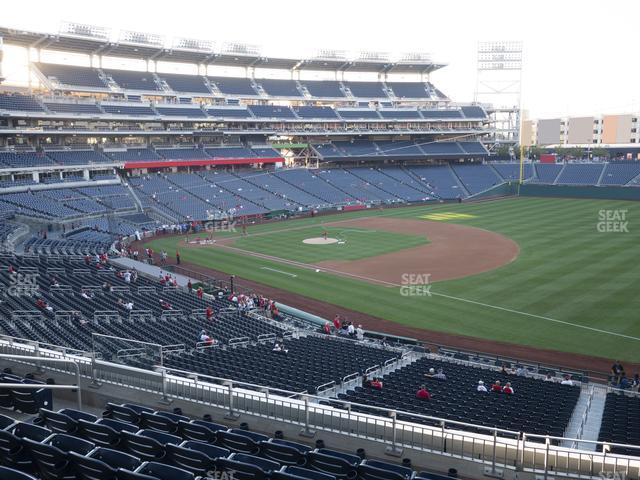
{"points": [[360, 333], [279, 348], [567, 380], [127, 276], [351, 329], [129, 305], [481, 387], [549, 378]]}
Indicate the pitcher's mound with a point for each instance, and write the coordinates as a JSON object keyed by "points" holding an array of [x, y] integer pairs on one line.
{"points": [[320, 241]]}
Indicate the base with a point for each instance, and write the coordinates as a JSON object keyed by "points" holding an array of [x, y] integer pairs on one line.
{"points": [[493, 472], [307, 433], [393, 451]]}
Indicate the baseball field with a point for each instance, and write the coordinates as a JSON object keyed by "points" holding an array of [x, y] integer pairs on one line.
{"points": [[553, 274]]}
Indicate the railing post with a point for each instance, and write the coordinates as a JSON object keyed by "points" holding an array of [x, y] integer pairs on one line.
{"points": [[165, 400], [94, 376], [546, 457], [393, 449], [36, 352], [307, 431], [231, 415], [493, 455]]}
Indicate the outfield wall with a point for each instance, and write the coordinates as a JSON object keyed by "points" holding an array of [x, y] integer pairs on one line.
{"points": [[610, 193]]}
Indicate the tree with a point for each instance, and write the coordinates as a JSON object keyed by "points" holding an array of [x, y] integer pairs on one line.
{"points": [[600, 152]]}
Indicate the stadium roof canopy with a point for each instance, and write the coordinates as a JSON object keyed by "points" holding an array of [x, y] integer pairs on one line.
{"points": [[91, 40]]}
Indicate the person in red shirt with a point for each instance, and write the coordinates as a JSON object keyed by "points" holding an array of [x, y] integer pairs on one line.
{"points": [[327, 328], [507, 389], [376, 383], [423, 393], [209, 313], [336, 322], [496, 387], [199, 292], [11, 269]]}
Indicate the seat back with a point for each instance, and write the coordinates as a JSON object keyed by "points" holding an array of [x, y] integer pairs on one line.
{"points": [[11, 474], [122, 413], [158, 422], [331, 465], [145, 448], [27, 430], [164, 472], [67, 443], [31, 401], [241, 471], [238, 443], [52, 463], [282, 453], [100, 434], [191, 460], [297, 473], [115, 458], [199, 431], [57, 422], [88, 468]]}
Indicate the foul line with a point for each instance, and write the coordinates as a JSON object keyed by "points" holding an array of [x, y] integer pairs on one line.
{"points": [[391, 284], [279, 271]]}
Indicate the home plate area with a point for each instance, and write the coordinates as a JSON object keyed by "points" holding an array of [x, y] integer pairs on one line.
{"points": [[321, 241]]}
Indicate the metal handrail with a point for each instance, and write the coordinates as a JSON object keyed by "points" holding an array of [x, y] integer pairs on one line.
{"points": [[77, 387]]}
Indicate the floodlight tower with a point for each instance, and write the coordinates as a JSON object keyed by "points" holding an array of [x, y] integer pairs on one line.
{"points": [[499, 88]]}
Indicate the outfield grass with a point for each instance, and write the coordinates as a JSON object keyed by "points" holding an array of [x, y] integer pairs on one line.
{"points": [[357, 243], [567, 271]]}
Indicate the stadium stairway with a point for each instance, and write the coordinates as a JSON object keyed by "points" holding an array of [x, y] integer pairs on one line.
{"points": [[555, 182], [587, 418], [459, 181]]}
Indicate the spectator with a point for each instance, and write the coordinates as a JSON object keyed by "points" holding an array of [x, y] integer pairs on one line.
{"points": [[177, 257], [204, 338], [549, 378], [423, 393], [624, 383], [376, 383], [617, 371], [327, 328], [508, 389], [481, 387], [437, 376], [279, 348], [496, 387], [209, 312], [567, 380], [521, 371], [127, 276], [165, 305], [336, 322], [351, 331], [200, 293], [128, 306], [189, 286], [360, 333]]}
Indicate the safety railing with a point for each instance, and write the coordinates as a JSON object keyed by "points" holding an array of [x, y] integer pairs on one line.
{"points": [[38, 386], [495, 448]]}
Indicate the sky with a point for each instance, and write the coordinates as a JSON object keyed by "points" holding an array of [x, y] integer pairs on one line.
{"points": [[580, 56]]}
